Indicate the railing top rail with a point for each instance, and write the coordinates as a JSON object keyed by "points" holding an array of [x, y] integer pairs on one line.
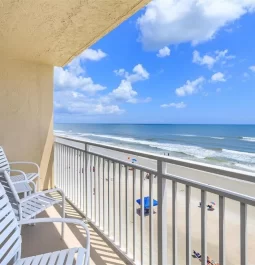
{"points": [[212, 189], [226, 172]]}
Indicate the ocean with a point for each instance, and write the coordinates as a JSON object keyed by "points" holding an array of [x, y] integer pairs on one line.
{"points": [[224, 145]]}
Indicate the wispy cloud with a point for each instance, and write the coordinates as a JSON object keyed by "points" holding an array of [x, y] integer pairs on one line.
{"points": [[179, 105], [190, 87], [211, 60]]}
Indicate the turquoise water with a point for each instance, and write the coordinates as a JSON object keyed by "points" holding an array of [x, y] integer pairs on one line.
{"points": [[226, 145]]}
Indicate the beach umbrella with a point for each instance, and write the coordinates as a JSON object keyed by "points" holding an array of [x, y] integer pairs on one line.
{"points": [[213, 203], [134, 160], [147, 202]]}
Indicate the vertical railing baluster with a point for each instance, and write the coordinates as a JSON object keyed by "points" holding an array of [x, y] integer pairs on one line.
{"points": [[142, 214], [114, 201], [73, 178], [103, 194], [80, 193], [188, 226], [120, 206], [203, 228], [151, 249], [99, 191], [95, 188], [91, 185], [162, 213], [56, 163], [64, 175], [69, 167], [86, 179], [127, 211], [174, 224], [108, 196], [62, 166], [77, 179], [134, 214], [222, 230], [243, 233], [83, 182]]}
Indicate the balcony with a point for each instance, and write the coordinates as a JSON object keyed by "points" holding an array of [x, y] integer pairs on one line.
{"points": [[49, 238], [103, 185]]}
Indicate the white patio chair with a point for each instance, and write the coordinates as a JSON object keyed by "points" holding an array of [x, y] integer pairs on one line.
{"points": [[30, 177], [10, 240], [28, 207]]}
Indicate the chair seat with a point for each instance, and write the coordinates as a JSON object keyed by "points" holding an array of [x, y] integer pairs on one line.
{"points": [[36, 205], [22, 187], [30, 176], [63, 257]]}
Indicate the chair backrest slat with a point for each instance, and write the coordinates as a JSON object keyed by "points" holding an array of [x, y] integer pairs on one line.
{"points": [[11, 192], [10, 239], [4, 163]]}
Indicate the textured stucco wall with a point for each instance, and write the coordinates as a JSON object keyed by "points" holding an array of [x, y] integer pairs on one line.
{"points": [[26, 104], [54, 31]]}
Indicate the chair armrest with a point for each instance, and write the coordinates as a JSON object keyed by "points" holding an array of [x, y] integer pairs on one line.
{"points": [[27, 198], [21, 172], [61, 220], [25, 162]]}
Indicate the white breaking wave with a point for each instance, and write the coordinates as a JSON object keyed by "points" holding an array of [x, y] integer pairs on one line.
{"points": [[187, 135], [249, 139], [59, 131], [190, 150], [193, 135], [247, 167]]}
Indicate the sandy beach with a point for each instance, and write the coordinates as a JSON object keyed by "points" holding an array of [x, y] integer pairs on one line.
{"points": [[232, 213]]}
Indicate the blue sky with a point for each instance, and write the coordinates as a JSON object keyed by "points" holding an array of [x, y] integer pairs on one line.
{"points": [[172, 62]]}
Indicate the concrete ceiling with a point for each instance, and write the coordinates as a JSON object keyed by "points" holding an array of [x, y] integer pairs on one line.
{"points": [[55, 31]]}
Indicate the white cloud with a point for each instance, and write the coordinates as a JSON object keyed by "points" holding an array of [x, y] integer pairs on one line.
{"points": [[139, 74], [85, 108], [180, 105], [204, 60], [210, 60], [93, 55], [218, 77], [77, 103], [252, 68], [166, 22], [164, 52], [124, 92], [67, 80], [190, 87]]}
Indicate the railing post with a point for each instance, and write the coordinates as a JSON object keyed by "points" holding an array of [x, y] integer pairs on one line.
{"points": [[243, 233], [162, 214], [86, 176]]}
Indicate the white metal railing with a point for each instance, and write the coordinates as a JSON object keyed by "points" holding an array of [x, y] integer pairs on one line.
{"points": [[104, 189]]}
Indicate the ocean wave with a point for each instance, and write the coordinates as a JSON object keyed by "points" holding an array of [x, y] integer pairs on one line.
{"points": [[189, 150], [202, 136], [59, 131], [187, 135], [249, 139], [245, 166]]}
